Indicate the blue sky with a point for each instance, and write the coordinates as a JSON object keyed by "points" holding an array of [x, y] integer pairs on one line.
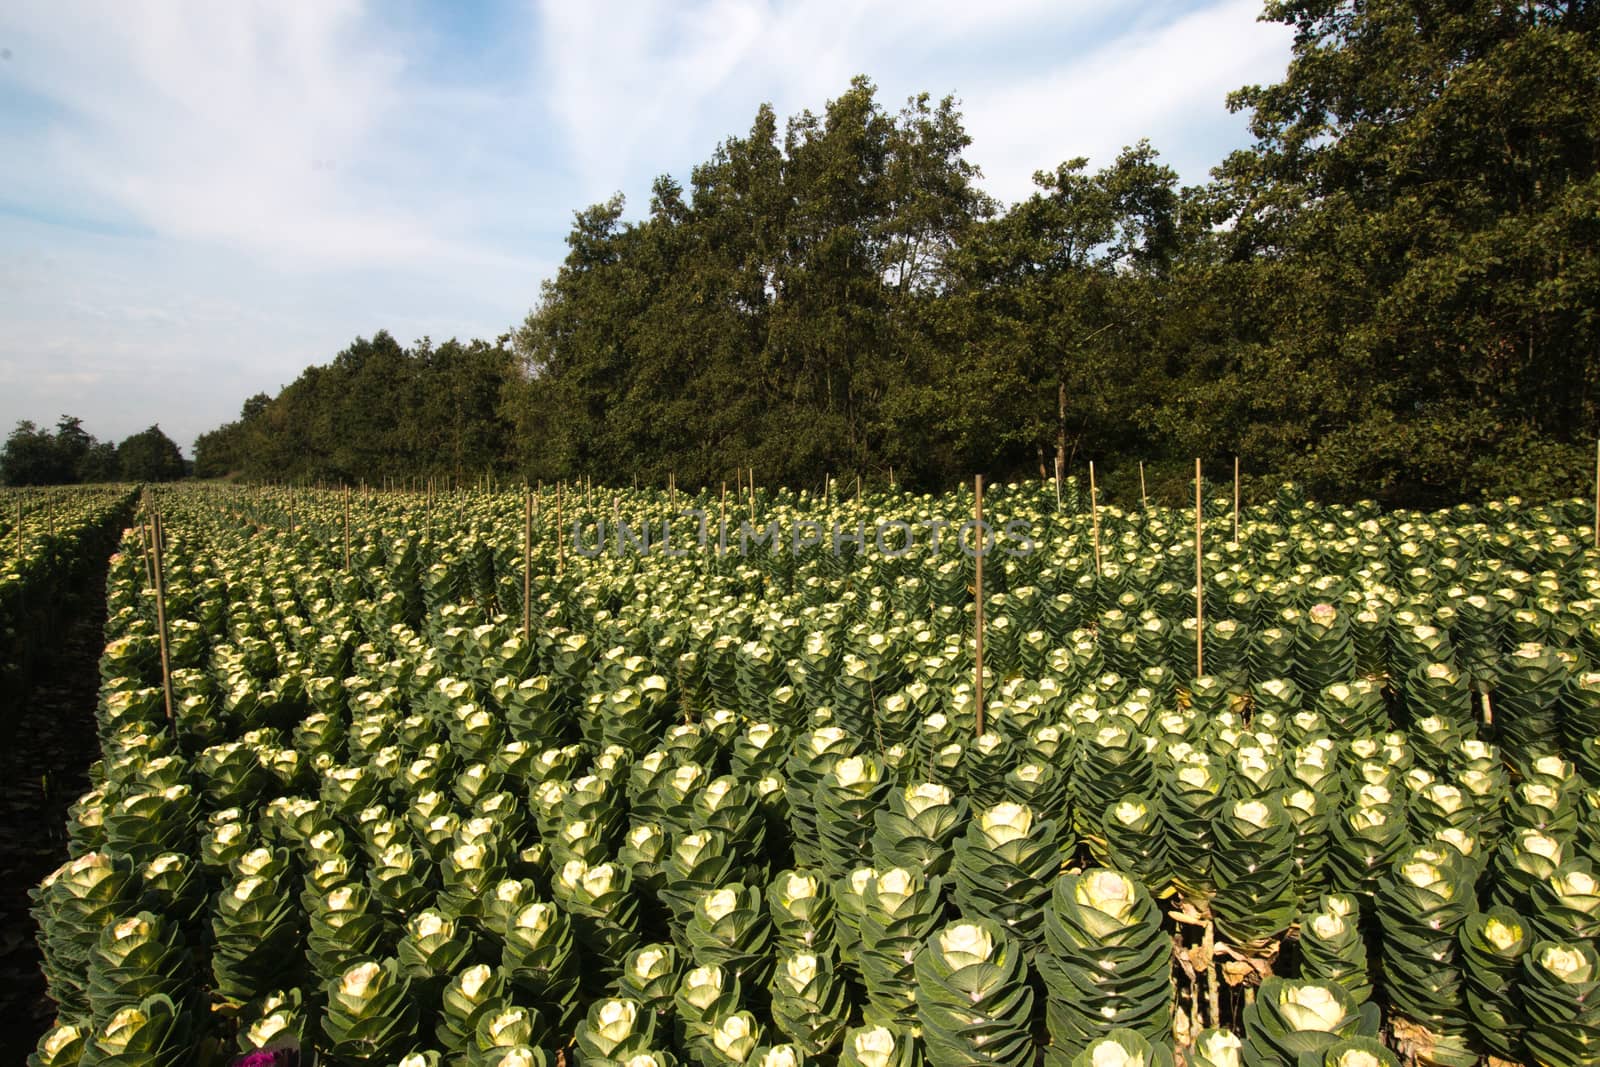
{"points": [[199, 199]]}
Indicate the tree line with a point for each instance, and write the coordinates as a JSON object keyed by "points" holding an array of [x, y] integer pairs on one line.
{"points": [[69, 454], [1392, 292]]}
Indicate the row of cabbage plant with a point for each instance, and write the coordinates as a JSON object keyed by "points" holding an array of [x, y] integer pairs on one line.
{"points": [[722, 808], [50, 541]]}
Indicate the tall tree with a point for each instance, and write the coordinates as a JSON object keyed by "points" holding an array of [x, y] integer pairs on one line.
{"points": [[1048, 315], [1418, 219], [150, 456], [765, 318], [30, 457], [35, 456], [225, 450]]}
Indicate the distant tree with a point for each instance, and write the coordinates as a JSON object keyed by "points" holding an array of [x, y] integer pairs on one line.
{"points": [[72, 445], [99, 463], [30, 456], [150, 456], [35, 456], [225, 450], [254, 407]]}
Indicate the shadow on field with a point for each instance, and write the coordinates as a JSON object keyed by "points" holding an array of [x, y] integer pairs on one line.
{"points": [[47, 742]]}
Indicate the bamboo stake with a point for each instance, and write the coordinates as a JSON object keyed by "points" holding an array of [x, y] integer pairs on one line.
{"points": [[1144, 501], [1597, 495], [161, 620], [1094, 512], [858, 488], [1213, 969], [347, 529], [1235, 499], [19, 529], [752, 494], [527, 566], [722, 522], [1058, 485], [561, 545], [144, 554], [1199, 585], [977, 584], [891, 477]]}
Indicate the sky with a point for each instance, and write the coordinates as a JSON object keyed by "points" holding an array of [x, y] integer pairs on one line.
{"points": [[199, 199]]}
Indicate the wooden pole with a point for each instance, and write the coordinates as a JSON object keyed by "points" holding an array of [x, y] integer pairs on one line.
{"points": [[1058, 485], [1597, 495], [752, 494], [1199, 585], [1094, 513], [347, 529], [1235, 499], [161, 618], [977, 590], [144, 554], [527, 565], [891, 477], [561, 547], [722, 522], [858, 488], [19, 529], [1144, 501]]}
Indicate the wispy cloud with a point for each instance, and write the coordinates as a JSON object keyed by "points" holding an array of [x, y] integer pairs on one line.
{"points": [[264, 126], [211, 196], [1039, 82], [1166, 82]]}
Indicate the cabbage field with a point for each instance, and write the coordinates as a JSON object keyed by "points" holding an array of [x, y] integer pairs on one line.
{"points": [[458, 778]]}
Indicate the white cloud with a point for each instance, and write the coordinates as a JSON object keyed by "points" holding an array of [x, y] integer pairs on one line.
{"points": [[1039, 82], [1167, 84], [261, 125]]}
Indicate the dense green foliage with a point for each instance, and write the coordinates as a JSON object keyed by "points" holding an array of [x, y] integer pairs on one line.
{"points": [[150, 456], [378, 410], [1392, 293], [433, 792], [35, 456]]}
